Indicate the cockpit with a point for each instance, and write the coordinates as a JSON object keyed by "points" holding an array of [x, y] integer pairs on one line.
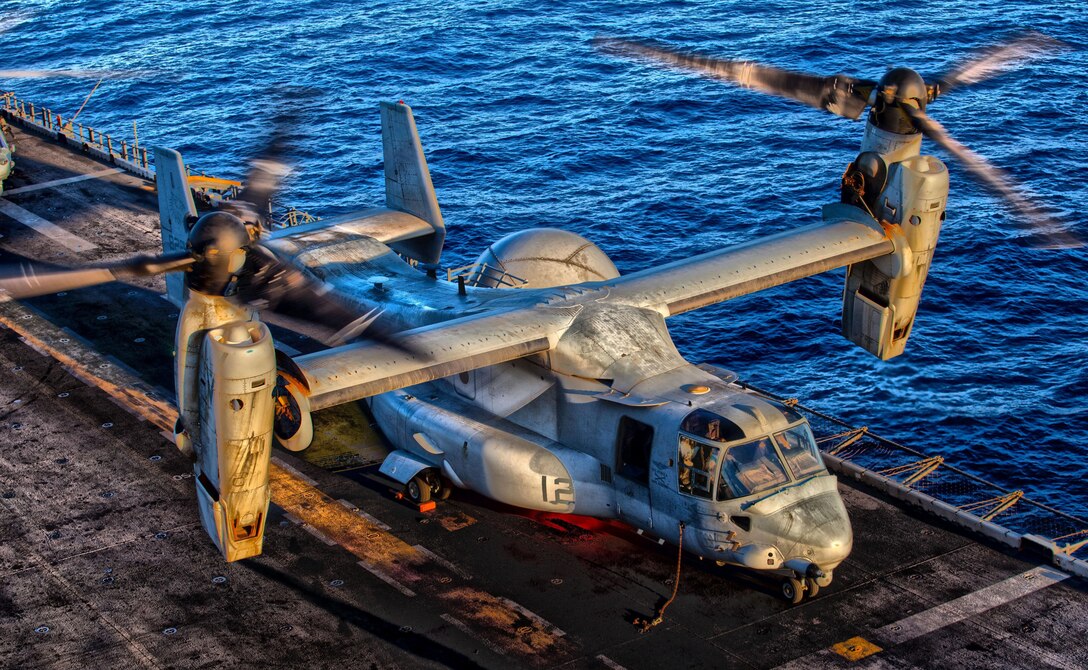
{"points": [[716, 461]]}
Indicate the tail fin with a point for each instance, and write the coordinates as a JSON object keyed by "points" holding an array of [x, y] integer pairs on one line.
{"points": [[408, 186], [175, 209]]}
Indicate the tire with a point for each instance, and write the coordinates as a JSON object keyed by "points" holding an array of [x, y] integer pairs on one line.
{"points": [[444, 489], [793, 590], [418, 490], [811, 587]]}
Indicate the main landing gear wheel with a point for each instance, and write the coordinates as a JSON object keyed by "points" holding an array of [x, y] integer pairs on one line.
{"points": [[418, 490], [442, 488], [811, 587], [793, 590]]}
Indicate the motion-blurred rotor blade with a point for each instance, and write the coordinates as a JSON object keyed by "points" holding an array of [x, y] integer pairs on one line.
{"points": [[274, 284], [74, 74], [27, 280], [996, 60], [839, 94], [266, 173], [1050, 233]]}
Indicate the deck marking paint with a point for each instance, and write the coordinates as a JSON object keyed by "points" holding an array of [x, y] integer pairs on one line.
{"points": [[610, 663], [377, 522], [968, 606], [547, 625], [61, 182], [460, 572], [388, 580], [318, 534], [47, 228], [936, 618], [855, 649], [463, 627], [283, 464]]}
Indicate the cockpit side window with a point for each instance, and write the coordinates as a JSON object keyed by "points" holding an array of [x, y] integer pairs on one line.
{"points": [[697, 465], [799, 450]]}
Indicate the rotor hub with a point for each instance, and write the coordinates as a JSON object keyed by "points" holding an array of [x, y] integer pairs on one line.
{"points": [[219, 242], [900, 86], [904, 85]]}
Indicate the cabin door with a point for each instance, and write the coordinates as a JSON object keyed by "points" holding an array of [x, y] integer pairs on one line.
{"points": [[634, 443]]}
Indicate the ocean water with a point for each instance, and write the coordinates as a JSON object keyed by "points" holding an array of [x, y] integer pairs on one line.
{"points": [[525, 124]]}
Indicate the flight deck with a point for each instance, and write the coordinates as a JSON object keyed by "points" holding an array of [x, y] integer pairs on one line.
{"points": [[104, 562]]}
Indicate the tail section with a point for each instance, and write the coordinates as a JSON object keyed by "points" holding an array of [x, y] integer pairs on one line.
{"points": [[176, 210], [408, 186]]}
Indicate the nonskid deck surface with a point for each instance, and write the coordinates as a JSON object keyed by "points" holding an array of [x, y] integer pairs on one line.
{"points": [[104, 563]]}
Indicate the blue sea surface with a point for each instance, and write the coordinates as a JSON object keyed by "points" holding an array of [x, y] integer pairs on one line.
{"points": [[526, 124]]}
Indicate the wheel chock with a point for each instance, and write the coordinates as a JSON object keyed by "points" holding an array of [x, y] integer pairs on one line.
{"points": [[428, 506]]}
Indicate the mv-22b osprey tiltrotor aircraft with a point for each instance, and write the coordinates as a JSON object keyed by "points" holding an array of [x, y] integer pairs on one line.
{"points": [[545, 380]]}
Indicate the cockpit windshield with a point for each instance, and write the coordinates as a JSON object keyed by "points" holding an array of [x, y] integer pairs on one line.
{"points": [[708, 469], [750, 468]]}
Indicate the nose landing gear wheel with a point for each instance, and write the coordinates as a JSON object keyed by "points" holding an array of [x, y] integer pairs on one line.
{"points": [[793, 590]]}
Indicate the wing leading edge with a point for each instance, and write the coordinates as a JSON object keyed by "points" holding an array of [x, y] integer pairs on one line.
{"points": [[356, 371], [846, 236]]}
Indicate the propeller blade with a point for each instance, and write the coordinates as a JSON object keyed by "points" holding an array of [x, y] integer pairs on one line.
{"points": [[27, 280], [839, 94], [992, 62], [274, 284], [1050, 233], [266, 173], [74, 74]]}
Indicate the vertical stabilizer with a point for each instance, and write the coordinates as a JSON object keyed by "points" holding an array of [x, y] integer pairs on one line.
{"points": [[175, 209], [408, 186]]}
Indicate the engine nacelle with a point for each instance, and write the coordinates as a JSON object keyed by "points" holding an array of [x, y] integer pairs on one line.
{"points": [[882, 295], [233, 442], [542, 257]]}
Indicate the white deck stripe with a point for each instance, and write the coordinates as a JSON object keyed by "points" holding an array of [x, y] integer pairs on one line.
{"points": [[463, 627], [283, 464], [377, 522], [50, 230], [318, 534], [541, 621], [967, 606], [460, 572], [938, 617], [61, 182], [387, 579], [609, 663]]}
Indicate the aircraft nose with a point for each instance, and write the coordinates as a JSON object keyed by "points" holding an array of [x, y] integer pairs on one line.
{"points": [[817, 529]]}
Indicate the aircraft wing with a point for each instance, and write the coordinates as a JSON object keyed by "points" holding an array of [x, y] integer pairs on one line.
{"points": [[846, 236], [383, 224], [363, 369]]}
